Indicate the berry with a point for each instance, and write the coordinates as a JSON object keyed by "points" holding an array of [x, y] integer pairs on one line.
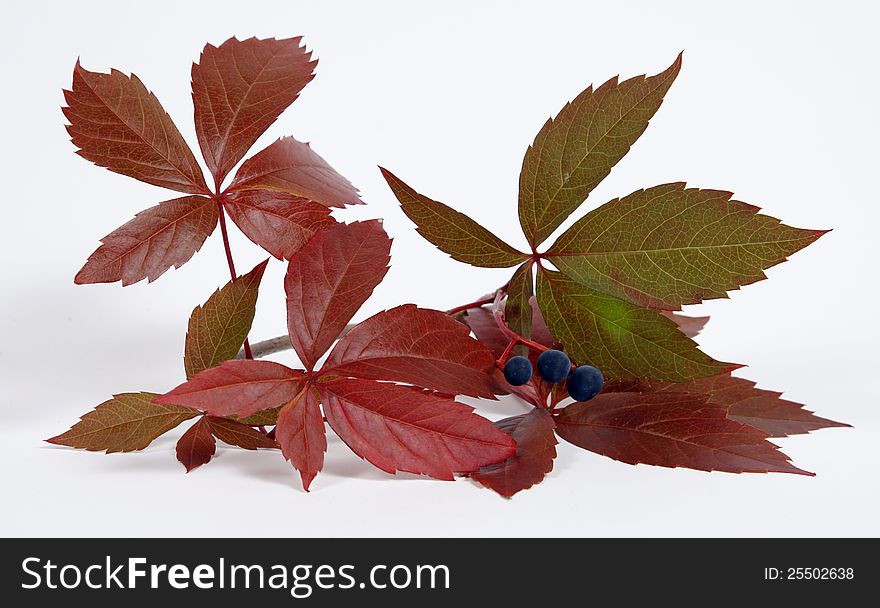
{"points": [[584, 383], [554, 365], [518, 370]]}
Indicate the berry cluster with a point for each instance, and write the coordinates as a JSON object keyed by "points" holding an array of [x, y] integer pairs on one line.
{"points": [[583, 382]]}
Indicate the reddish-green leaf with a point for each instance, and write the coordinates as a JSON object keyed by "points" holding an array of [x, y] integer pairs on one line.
{"points": [[292, 166], [535, 452], [744, 402], [621, 339], [237, 388], [302, 437], [422, 347], [263, 418], [219, 327], [196, 446], [670, 430], [239, 89], [238, 434], [118, 124], [402, 428], [668, 246], [452, 231], [278, 222], [689, 326], [127, 422], [327, 282], [155, 240], [517, 306], [576, 150], [485, 328]]}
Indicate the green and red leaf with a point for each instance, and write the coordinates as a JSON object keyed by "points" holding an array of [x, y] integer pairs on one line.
{"points": [[621, 339], [218, 328], [452, 231], [240, 435], [125, 423], [576, 150], [669, 245]]}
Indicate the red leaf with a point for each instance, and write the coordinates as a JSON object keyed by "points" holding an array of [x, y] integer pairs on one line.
{"points": [[302, 437], [670, 430], [401, 428], [239, 89], [423, 347], [118, 124], [155, 240], [292, 166], [482, 323], [689, 326], [238, 434], [535, 451], [278, 222], [745, 403], [327, 282], [196, 446], [237, 388]]}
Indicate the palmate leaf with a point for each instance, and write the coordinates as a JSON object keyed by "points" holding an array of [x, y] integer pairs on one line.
{"points": [[238, 434], [328, 280], [535, 451], [118, 124], [621, 339], [302, 436], [127, 422], [239, 89], [670, 430], [218, 328], [668, 246], [401, 428], [576, 150], [278, 222], [452, 231], [292, 166], [156, 239], [417, 346]]}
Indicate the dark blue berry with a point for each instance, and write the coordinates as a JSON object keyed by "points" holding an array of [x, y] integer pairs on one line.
{"points": [[554, 365], [518, 370], [584, 383]]}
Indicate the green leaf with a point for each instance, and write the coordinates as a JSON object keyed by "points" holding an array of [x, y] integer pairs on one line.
{"points": [[517, 309], [621, 339], [451, 231], [127, 422], [668, 246], [264, 418], [576, 150], [218, 328]]}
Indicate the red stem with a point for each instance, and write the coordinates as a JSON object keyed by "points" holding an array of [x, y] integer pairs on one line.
{"points": [[498, 313], [470, 305], [247, 345]]}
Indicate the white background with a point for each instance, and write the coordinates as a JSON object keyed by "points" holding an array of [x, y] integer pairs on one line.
{"points": [[776, 101]]}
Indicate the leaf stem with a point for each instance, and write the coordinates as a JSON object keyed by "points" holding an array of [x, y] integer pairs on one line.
{"points": [[498, 313], [470, 305], [247, 346]]}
